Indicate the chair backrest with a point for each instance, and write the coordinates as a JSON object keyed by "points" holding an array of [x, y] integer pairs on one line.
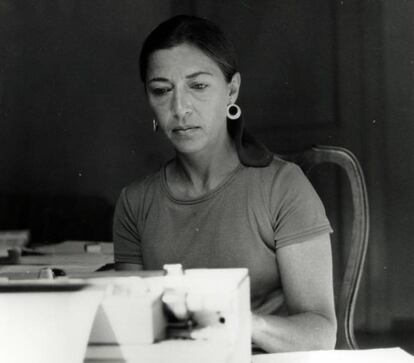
{"points": [[357, 245]]}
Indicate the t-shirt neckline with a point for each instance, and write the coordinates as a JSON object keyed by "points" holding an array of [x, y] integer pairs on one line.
{"points": [[165, 188]]}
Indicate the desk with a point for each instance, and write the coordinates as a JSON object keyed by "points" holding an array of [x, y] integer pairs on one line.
{"points": [[389, 355], [69, 256]]}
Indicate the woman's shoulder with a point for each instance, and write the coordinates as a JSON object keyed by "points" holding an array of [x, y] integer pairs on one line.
{"points": [[143, 186], [278, 170]]}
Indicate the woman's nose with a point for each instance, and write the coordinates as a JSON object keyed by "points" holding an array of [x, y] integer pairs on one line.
{"points": [[180, 103]]}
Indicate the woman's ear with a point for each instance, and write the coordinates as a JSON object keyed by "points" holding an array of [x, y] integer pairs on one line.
{"points": [[234, 87]]}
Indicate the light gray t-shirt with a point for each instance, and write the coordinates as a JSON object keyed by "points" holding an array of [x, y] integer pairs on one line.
{"points": [[241, 223]]}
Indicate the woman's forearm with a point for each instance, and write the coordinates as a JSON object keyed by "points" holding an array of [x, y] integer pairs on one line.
{"points": [[304, 331]]}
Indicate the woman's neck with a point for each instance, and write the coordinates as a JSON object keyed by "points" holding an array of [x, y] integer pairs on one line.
{"points": [[193, 175]]}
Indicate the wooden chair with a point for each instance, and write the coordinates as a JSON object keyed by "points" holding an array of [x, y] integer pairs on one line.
{"points": [[357, 245]]}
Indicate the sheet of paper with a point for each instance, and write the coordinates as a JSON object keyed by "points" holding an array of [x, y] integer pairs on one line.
{"points": [[389, 355]]}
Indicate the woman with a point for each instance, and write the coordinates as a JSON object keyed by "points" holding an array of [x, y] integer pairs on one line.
{"points": [[224, 200]]}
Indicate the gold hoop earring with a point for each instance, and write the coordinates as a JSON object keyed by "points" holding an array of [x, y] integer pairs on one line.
{"points": [[154, 125], [233, 111]]}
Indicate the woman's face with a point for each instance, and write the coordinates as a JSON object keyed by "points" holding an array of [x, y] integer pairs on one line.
{"points": [[188, 95]]}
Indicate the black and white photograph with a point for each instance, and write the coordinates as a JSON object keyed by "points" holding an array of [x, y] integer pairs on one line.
{"points": [[206, 181]]}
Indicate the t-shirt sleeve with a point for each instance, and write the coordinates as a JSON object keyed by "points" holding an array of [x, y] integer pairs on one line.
{"points": [[125, 232], [297, 211]]}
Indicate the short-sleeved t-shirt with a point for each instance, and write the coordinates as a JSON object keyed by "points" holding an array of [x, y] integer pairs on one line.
{"points": [[241, 223]]}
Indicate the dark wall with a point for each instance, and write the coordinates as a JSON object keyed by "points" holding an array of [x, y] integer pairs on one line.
{"points": [[74, 118], [74, 122], [399, 159], [75, 127]]}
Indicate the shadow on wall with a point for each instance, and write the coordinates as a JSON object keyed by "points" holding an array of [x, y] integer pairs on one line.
{"points": [[53, 219]]}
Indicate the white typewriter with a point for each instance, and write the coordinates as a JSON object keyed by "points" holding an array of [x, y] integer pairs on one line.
{"points": [[134, 322]]}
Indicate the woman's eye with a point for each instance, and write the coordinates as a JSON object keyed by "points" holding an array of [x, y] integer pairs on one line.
{"points": [[160, 91], [198, 85]]}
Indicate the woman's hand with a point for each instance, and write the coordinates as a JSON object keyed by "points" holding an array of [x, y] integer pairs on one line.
{"points": [[306, 274]]}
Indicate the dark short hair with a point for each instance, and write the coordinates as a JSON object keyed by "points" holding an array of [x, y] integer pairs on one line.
{"points": [[199, 32]]}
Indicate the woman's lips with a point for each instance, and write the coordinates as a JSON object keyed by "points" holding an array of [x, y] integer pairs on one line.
{"points": [[185, 131]]}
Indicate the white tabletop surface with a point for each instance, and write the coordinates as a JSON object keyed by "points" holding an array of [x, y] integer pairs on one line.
{"points": [[111, 354], [390, 355]]}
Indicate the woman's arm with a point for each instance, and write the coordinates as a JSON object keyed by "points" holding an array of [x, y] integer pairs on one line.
{"points": [[306, 276], [125, 235]]}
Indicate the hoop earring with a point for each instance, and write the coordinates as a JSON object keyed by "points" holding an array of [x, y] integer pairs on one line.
{"points": [[233, 111], [154, 125]]}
